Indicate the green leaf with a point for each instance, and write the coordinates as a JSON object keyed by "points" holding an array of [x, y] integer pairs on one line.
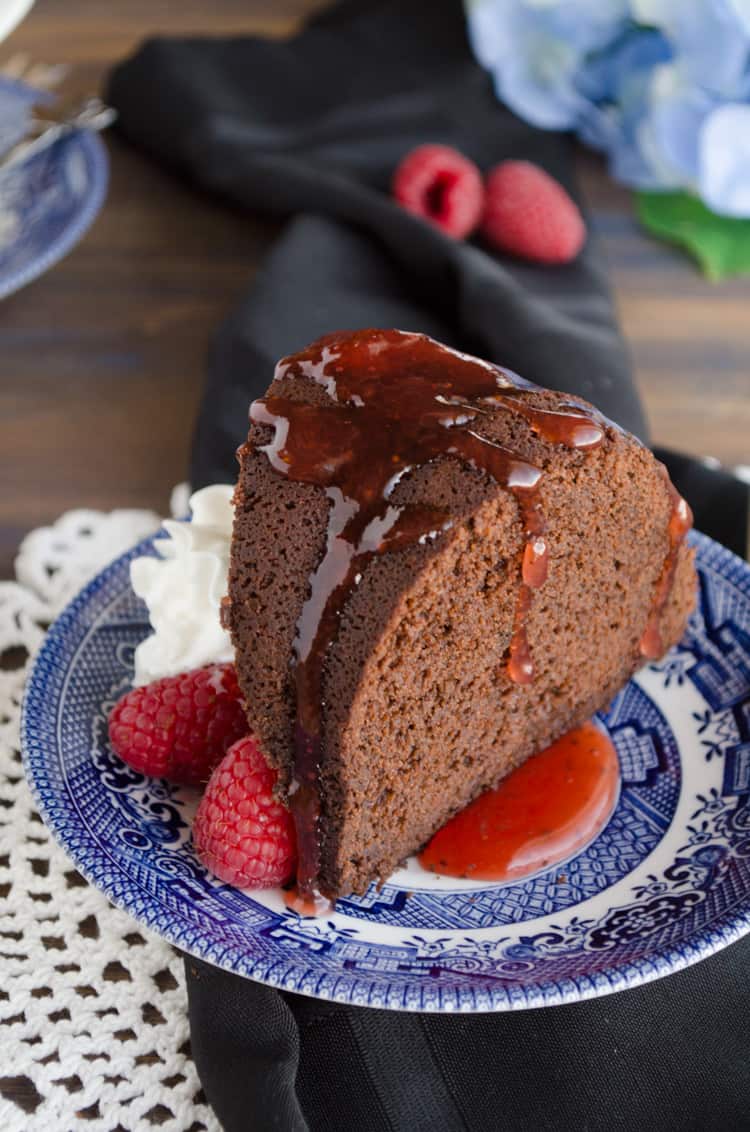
{"points": [[721, 244]]}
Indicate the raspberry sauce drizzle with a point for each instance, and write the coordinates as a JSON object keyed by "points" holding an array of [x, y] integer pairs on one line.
{"points": [[396, 402], [680, 522]]}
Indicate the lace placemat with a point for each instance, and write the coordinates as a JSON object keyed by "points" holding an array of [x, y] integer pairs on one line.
{"points": [[93, 1023]]}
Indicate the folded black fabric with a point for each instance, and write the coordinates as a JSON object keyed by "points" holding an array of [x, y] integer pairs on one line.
{"points": [[672, 1056], [310, 129]]}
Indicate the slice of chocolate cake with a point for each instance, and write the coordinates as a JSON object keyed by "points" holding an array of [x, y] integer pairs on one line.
{"points": [[436, 570]]}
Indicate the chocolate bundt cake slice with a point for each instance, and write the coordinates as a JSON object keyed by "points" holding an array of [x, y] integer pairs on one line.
{"points": [[436, 569]]}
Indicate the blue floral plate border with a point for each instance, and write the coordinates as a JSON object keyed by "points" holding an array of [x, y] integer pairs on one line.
{"points": [[48, 201], [665, 884]]}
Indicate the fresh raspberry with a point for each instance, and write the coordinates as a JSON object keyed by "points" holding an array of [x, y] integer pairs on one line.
{"points": [[441, 185], [529, 214], [179, 727], [243, 835]]}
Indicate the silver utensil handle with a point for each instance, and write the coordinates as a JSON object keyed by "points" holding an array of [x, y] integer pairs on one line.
{"points": [[92, 114]]}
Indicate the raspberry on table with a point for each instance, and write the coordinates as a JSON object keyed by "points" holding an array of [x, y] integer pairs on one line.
{"points": [[439, 184], [529, 214], [179, 727], [241, 832]]}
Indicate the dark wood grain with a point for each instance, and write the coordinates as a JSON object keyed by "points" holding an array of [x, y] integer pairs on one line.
{"points": [[101, 360], [690, 339]]}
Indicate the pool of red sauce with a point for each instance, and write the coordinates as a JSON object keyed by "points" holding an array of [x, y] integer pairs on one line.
{"points": [[540, 815]]}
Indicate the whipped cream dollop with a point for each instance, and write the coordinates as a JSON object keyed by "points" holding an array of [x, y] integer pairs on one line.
{"points": [[183, 589]]}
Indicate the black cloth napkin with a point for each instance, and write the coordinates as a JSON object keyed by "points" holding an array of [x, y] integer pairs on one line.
{"points": [[310, 129]]}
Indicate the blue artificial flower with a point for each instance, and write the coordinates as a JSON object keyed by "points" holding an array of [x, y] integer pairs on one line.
{"points": [[629, 65], [707, 36], [535, 50], [661, 86], [724, 160]]}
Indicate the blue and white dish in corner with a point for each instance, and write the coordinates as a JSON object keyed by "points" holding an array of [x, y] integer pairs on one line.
{"points": [[48, 200], [666, 883]]}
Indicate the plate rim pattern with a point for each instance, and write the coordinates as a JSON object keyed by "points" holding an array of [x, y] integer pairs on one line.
{"points": [[97, 165]]}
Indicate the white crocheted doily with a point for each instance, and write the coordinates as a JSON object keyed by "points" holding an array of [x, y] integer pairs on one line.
{"points": [[93, 1023]]}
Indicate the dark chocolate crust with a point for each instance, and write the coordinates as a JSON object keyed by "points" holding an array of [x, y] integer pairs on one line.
{"points": [[420, 714]]}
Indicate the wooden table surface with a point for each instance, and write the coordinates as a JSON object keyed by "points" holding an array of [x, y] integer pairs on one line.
{"points": [[102, 359]]}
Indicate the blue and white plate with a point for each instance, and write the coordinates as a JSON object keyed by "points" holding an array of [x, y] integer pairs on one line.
{"points": [[49, 200], [666, 883]]}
